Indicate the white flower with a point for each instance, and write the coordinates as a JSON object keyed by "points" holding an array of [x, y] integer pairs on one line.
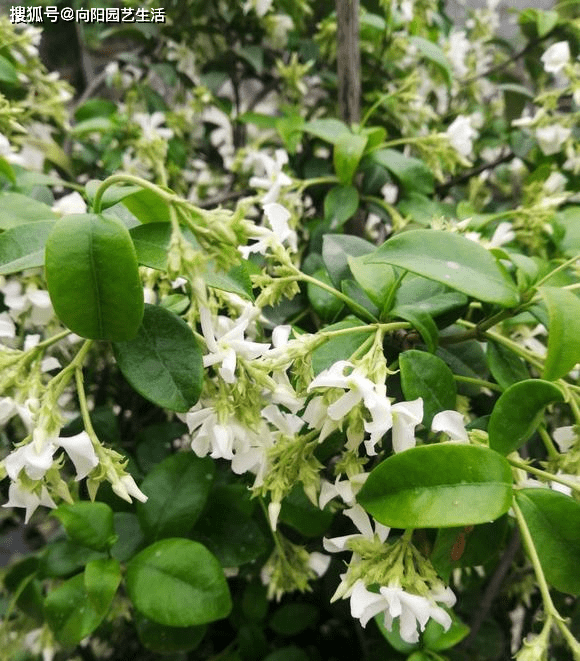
{"points": [[36, 302], [413, 610], [556, 57], [261, 7], [150, 126], [565, 437], [551, 138], [273, 178], [126, 487], [20, 497], [7, 152], [7, 327], [459, 46], [461, 135], [227, 342], [70, 204], [555, 183], [81, 452], [450, 422], [389, 193], [406, 416], [278, 217], [504, 233]]}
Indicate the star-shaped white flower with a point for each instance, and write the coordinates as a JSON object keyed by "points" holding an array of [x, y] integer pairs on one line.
{"points": [[20, 497]]}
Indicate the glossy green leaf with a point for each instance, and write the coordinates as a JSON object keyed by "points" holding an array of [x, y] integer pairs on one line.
{"points": [[435, 638], [563, 345], [163, 361], [102, 578], [393, 635], [339, 348], [178, 583], [325, 304], [329, 130], [8, 73], [17, 209], [465, 359], [167, 640], [299, 513], [553, 520], [228, 530], [147, 206], [129, 536], [348, 150], [505, 366], [93, 277], [340, 204], [435, 54], [7, 171], [63, 557], [22, 247], [73, 611], [336, 249], [177, 491], [427, 376], [451, 259], [412, 173], [290, 653], [89, 524], [20, 579], [359, 302], [421, 321], [438, 486], [291, 619], [377, 280], [518, 412], [236, 280]]}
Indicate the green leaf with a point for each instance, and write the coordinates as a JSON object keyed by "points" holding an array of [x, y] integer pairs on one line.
{"points": [[339, 348], [227, 529], [348, 150], [569, 220], [291, 619], [7, 171], [163, 361], [434, 54], [340, 204], [290, 653], [72, 612], [435, 638], [17, 209], [506, 367], [336, 249], [177, 491], [178, 583], [8, 73], [554, 523], [421, 321], [112, 195], [299, 513], [438, 486], [329, 130], [377, 280], [451, 259], [563, 346], [393, 635], [93, 277], [89, 524], [411, 172], [236, 280], [63, 557], [427, 376], [102, 578], [151, 243], [168, 640], [518, 412], [129, 536], [325, 304], [22, 247], [147, 206]]}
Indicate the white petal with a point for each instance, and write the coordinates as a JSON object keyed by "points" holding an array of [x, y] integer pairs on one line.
{"points": [[81, 452], [565, 437], [365, 604], [450, 422], [319, 563]]}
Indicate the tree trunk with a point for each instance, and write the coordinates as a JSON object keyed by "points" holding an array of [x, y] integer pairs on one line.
{"points": [[348, 60]]}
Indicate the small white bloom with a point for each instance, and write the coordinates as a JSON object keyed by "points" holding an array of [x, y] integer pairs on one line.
{"points": [[461, 135], [7, 327], [551, 138], [390, 193], [555, 183], [319, 563], [365, 528], [273, 179], [450, 422], [504, 233], [34, 460], [20, 497], [406, 416], [459, 47], [126, 487], [81, 452], [556, 57], [278, 217], [565, 437], [150, 126]]}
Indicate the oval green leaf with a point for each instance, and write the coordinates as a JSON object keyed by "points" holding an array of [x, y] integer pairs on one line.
{"points": [[17, 209], [452, 260], [167, 640], [563, 346], [438, 486], [22, 247], [163, 362], [427, 376], [348, 150], [506, 367], [412, 173], [93, 277], [553, 520], [89, 524], [177, 491], [178, 583], [340, 204], [518, 412]]}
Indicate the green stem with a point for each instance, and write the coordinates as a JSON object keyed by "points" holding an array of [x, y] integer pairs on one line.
{"points": [[549, 607], [397, 325], [478, 382], [316, 181], [122, 178], [545, 475], [548, 443], [51, 340], [558, 268]]}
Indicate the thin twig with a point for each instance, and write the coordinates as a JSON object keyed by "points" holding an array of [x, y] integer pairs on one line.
{"points": [[466, 176]]}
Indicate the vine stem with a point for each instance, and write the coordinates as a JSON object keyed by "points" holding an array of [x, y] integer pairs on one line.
{"points": [[478, 382], [544, 474], [123, 178], [549, 607], [561, 267], [51, 340], [548, 443]]}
